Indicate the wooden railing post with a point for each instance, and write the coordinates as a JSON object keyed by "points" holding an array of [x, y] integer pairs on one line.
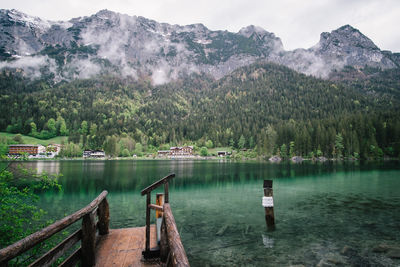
{"points": [[104, 217], [88, 244], [148, 201], [166, 197], [148, 253]]}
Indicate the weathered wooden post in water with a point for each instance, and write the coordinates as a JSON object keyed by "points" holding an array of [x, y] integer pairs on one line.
{"points": [[268, 204]]}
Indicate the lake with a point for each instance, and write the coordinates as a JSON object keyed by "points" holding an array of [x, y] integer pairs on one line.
{"points": [[333, 213]]}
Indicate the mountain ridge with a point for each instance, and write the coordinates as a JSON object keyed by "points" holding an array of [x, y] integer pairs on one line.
{"points": [[110, 42]]}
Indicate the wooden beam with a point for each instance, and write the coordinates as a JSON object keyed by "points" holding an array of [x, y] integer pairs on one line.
{"points": [[157, 184], [73, 259], [52, 255], [156, 207], [32, 240], [178, 254]]}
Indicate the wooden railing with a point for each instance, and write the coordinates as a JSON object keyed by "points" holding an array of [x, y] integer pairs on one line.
{"points": [[87, 236], [171, 250]]}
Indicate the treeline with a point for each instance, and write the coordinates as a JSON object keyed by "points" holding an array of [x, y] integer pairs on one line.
{"points": [[264, 107]]}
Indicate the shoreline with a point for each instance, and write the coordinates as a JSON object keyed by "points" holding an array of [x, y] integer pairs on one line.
{"points": [[199, 158]]}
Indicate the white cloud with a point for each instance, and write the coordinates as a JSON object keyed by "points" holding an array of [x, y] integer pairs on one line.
{"points": [[297, 23], [30, 65]]}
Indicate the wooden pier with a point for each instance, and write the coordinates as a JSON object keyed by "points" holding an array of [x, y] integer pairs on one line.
{"points": [[123, 247], [101, 246]]}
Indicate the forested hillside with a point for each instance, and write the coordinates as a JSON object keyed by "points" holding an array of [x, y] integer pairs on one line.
{"points": [[265, 107]]}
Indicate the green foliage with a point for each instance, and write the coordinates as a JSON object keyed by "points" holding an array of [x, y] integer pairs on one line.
{"points": [[138, 150], [18, 139], [110, 146], [125, 153], [291, 149], [339, 145], [260, 107], [84, 128], [51, 126], [283, 150], [209, 144], [203, 151], [242, 142], [71, 150], [19, 215]]}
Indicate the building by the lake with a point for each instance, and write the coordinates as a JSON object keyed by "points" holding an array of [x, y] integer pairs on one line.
{"points": [[177, 152], [34, 151], [94, 154], [21, 149]]}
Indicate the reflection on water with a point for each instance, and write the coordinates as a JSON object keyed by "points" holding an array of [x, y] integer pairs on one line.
{"points": [[326, 214], [50, 167]]}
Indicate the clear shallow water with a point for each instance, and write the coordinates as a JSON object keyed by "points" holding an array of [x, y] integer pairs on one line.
{"points": [[331, 213]]}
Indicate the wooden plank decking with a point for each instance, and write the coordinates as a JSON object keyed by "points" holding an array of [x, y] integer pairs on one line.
{"points": [[123, 247]]}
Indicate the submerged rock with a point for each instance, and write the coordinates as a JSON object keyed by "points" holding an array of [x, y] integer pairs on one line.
{"points": [[222, 230], [335, 259], [394, 253], [381, 248], [348, 251], [323, 263]]}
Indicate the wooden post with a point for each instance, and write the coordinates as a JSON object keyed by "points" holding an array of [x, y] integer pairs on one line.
{"points": [[88, 242], [268, 203], [166, 197], [104, 217], [148, 200], [159, 202], [164, 249]]}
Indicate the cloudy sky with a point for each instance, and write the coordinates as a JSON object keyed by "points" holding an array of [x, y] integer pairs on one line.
{"points": [[297, 22]]}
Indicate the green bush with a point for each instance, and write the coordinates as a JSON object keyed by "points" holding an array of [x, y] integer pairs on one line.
{"points": [[203, 151], [19, 215]]}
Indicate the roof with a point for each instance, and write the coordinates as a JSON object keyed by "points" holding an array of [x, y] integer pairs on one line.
{"points": [[25, 145]]}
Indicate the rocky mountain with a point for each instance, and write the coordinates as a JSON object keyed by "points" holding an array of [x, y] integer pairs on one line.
{"points": [[109, 42]]}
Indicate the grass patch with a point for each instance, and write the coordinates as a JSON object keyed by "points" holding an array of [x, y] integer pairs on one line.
{"points": [[35, 141]]}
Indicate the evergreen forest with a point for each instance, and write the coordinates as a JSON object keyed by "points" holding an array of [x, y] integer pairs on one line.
{"points": [[264, 108]]}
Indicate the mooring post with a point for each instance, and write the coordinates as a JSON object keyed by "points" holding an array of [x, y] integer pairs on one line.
{"points": [[268, 204]]}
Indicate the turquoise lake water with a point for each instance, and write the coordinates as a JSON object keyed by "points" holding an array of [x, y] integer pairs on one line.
{"points": [[330, 214]]}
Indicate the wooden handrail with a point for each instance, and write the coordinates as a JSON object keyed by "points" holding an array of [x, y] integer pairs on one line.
{"points": [[172, 240], [147, 191], [157, 184], [32, 240]]}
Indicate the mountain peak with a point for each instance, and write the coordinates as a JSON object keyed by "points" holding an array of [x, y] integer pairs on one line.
{"points": [[346, 36], [251, 29]]}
